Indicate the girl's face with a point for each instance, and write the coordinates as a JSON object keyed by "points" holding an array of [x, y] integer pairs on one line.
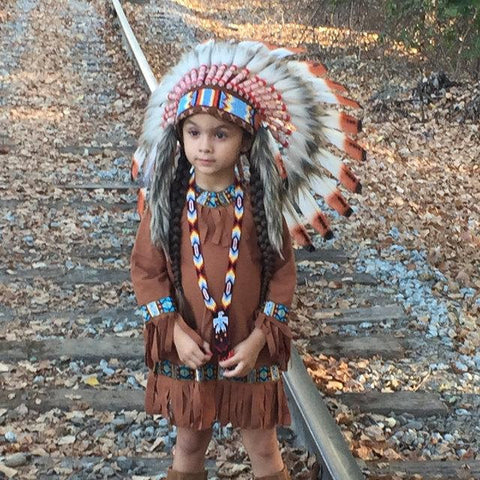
{"points": [[213, 146]]}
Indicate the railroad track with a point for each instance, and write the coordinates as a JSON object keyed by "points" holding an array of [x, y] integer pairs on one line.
{"points": [[312, 418], [52, 360]]}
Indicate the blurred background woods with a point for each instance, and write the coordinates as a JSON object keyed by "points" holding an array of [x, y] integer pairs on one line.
{"points": [[445, 32]]}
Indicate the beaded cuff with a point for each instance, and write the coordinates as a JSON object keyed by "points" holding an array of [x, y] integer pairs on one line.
{"points": [[153, 309], [276, 310]]}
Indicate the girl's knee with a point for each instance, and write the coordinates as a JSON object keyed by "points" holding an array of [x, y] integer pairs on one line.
{"points": [[192, 442], [264, 452], [261, 443]]}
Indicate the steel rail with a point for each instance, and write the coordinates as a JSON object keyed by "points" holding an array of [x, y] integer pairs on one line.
{"points": [[135, 48], [313, 425]]}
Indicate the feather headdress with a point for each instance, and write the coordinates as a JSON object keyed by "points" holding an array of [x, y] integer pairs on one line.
{"points": [[282, 102]]}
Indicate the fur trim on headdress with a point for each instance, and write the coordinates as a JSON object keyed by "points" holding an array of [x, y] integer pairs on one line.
{"points": [[160, 189], [266, 91], [263, 159]]}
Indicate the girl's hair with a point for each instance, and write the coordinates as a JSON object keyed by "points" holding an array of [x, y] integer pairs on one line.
{"points": [[260, 218], [178, 191]]}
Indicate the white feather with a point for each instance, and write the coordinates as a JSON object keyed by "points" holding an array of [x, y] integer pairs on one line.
{"points": [[256, 64], [307, 204], [281, 52], [187, 62], [329, 161], [320, 85], [159, 96], [167, 85], [222, 53], [323, 186], [243, 54], [302, 118], [272, 73], [272, 143], [298, 145], [204, 53], [139, 156], [292, 166], [291, 216], [149, 164], [301, 69], [327, 97], [245, 44], [293, 95], [286, 83], [291, 224], [331, 120], [151, 126], [252, 45], [335, 137]]}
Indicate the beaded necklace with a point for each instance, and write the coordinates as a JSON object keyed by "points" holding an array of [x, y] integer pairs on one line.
{"points": [[220, 315], [215, 199]]}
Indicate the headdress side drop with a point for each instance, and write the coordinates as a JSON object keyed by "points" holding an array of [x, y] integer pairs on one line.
{"points": [[279, 99]]}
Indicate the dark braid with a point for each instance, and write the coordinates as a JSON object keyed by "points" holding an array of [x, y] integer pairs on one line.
{"points": [[267, 251], [178, 191]]}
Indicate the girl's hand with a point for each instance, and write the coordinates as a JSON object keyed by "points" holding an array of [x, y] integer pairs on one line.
{"points": [[245, 355], [188, 350]]}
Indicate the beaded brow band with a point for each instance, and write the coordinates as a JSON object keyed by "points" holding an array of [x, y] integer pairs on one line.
{"points": [[213, 97]]}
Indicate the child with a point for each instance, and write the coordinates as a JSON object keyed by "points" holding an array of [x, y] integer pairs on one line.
{"points": [[212, 264]]}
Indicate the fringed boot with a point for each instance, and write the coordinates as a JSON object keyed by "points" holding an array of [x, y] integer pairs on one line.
{"points": [[174, 475], [283, 475]]}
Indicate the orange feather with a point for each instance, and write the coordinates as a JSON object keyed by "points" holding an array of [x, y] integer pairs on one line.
{"points": [[316, 68]]}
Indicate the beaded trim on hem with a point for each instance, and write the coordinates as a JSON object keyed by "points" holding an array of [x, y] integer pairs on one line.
{"points": [[155, 308], [215, 199], [210, 371]]}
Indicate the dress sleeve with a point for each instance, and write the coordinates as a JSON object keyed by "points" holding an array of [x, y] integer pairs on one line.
{"points": [[272, 318], [154, 292]]}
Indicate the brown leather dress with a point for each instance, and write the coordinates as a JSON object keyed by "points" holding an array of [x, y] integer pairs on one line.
{"points": [[197, 404]]}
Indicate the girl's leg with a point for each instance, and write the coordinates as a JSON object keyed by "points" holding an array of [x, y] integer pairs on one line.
{"points": [[190, 450], [262, 448]]}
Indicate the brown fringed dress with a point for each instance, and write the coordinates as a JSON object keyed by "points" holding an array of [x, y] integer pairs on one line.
{"points": [[197, 398]]}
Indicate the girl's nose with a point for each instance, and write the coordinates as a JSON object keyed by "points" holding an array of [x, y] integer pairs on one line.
{"points": [[205, 143]]}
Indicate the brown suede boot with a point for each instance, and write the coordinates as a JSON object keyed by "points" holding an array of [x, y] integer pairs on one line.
{"points": [[174, 475], [283, 475]]}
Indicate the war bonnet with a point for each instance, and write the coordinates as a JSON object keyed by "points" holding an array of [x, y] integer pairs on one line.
{"points": [[298, 141]]}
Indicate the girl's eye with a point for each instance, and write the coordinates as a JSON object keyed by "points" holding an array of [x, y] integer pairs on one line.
{"points": [[221, 135], [193, 133]]}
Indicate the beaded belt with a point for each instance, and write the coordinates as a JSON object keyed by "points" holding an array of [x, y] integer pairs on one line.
{"points": [[210, 371]]}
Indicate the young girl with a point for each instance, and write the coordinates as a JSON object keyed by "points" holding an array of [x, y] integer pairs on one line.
{"points": [[212, 264]]}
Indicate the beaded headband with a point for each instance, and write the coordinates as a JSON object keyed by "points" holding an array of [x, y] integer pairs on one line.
{"points": [[210, 100], [298, 141]]}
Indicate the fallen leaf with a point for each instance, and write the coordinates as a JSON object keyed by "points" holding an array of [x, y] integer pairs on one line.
{"points": [[91, 380], [67, 440], [9, 472]]}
